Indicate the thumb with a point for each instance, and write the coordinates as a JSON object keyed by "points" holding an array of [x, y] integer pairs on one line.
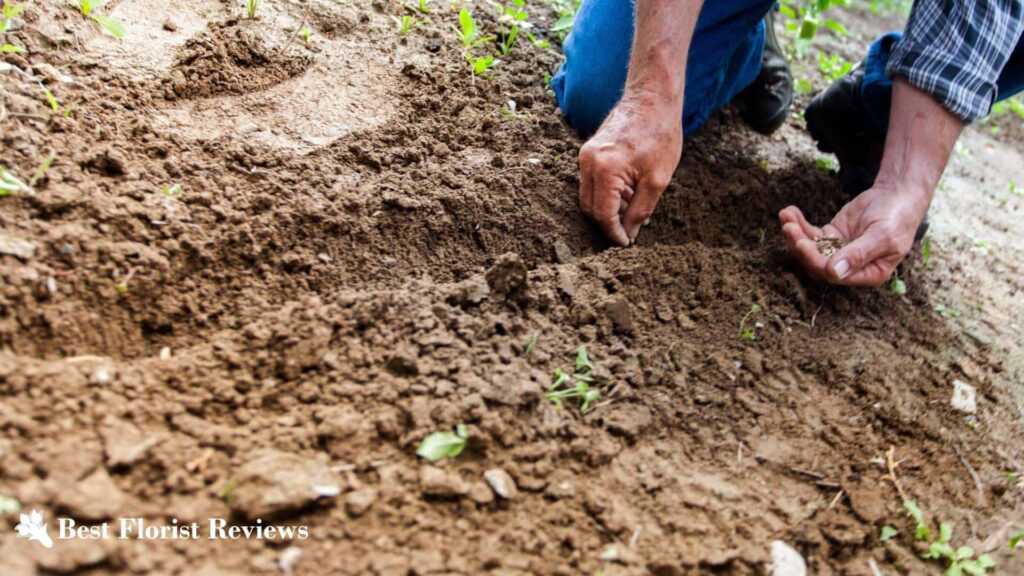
{"points": [[844, 265], [642, 205]]}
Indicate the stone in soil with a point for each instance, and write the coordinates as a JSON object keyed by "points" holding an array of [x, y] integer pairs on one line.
{"points": [[442, 484], [274, 483], [502, 483]]}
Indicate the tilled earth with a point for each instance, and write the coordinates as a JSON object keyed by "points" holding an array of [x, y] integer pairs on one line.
{"points": [[361, 251]]}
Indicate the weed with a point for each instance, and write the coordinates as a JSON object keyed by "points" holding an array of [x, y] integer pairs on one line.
{"points": [[110, 24], [173, 190], [42, 169], [480, 65], [10, 184], [406, 23], [10, 11], [440, 445], [251, 6], [531, 345], [578, 385], [750, 333], [468, 32], [887, 533]]}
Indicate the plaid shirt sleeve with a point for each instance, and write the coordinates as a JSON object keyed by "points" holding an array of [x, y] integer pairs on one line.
{"points": [[955, 50]]}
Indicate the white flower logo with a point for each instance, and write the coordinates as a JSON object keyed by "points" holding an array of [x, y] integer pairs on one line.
{"points": [[33, 528]]}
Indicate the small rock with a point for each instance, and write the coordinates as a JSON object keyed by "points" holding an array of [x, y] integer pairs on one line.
{"points": [[563, 253], [480, 493], [289, 558], [566, 283], [964, 397], [620, 313], [471, 291], [170, 26], [124, 444], [274, 483], [17, 247], [502, 484], [441, 484], [102, 374], [358, 502], [165, 353], [786, 561], [93, 499]]}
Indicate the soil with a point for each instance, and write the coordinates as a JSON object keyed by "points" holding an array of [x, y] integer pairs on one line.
{"points": [[362, 249]]}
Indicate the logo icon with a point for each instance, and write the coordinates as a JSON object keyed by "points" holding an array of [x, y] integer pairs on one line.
{"points": [[33, 528]]}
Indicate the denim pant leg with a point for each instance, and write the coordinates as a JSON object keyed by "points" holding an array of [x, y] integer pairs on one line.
{"points": [[877, 88], [725, 57]]}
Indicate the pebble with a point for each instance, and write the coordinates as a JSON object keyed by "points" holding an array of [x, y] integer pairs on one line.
{"points": [[441, 484], [964, 397], [94, 499], [563, 253], [124, 444], [274, 483], [786, 561], [502, 483], [17, 247], [358, 502], [619, 312]]}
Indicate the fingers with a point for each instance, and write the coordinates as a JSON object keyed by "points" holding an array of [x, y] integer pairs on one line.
{"points": [[866, 261], [608, 206], [805, 250], [794, 215], [586, 184], [642, 205]]}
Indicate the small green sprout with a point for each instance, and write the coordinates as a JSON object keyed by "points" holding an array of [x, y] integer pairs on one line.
{"points": [[1016, 190], [468, 31], [960, 560], [42, 169], [251, 6], [441, 445], [887, 533], [531, 346], [12, 49], [926, 251], [751, 332], [1016, 539], [897, 286], [578, 385], [307, 34], [9, 505], [423, 6], [825, 164], [173, 190], [508, 42], [52, 100], [10, 184], [537, 42], [406, 22], [227, 492], [10, 10], [803, 86], [833, 67], [921, 531], [112, 25], [481, 65], [945, 311], [760, 235]]}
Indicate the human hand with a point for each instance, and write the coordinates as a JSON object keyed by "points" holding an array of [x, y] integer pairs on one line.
{"points": [[879, 225], [627, 164]]}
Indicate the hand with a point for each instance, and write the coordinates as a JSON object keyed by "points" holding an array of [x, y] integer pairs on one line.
{"points": [[879, 225], [627, 164]]}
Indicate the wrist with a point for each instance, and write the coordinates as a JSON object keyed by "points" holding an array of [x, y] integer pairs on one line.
{"points": [[653, 102]]}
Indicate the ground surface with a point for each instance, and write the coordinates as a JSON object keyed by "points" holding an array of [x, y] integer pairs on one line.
{"points": [[361, 250]]}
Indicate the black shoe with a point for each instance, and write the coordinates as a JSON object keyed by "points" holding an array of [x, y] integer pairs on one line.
{"points": [[838, 121], [764, 105]]}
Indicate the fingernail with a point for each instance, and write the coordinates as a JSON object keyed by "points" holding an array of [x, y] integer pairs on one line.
{"points": [[842, 269]]}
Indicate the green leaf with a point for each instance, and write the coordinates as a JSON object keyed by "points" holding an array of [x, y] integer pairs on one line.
{"points": [[787, 11], [582, 360], [1016, 538], [836, 27], [441, 445], [12, 49], [945, 532], [532, 345], [41, 170], [898, 287], [112, 25], [85, 6], [468, 27], [887, 533], [563, 23], [52, 100]]}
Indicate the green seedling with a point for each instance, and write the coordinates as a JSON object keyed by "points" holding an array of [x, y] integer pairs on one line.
{"points": [[807, 20], [11, 49], [10, 184], [897, 286], [516, 12], [958, 561], [251, 6], [578, 385], [122, 286], [1016, 190], [833, 67], [52, 100], [537, 43], [227, 492], [481, 65], [921, 531], [750, 333], [531, 346], [423, 6], [406, 23], [508, 42], [825, 164], [760, 235], [307, 34], [42, 169], [1016, 539], [803, 86], [926, 251], [887, 533], [110, 24], [10, 11], [173, 190], [468, 32], [945, 311], [566, 10], [441, 445]]}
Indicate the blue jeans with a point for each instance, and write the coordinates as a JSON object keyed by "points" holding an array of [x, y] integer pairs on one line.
{"points": [[725, 58]]}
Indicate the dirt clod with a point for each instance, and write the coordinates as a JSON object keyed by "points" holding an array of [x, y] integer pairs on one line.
{"points": [[273, 483]]}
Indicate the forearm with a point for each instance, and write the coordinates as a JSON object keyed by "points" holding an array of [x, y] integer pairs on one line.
{"points": [[661, 42], [922, 133]]}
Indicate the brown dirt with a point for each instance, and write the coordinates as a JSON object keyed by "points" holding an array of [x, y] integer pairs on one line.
{"points": [[362, 249]]}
